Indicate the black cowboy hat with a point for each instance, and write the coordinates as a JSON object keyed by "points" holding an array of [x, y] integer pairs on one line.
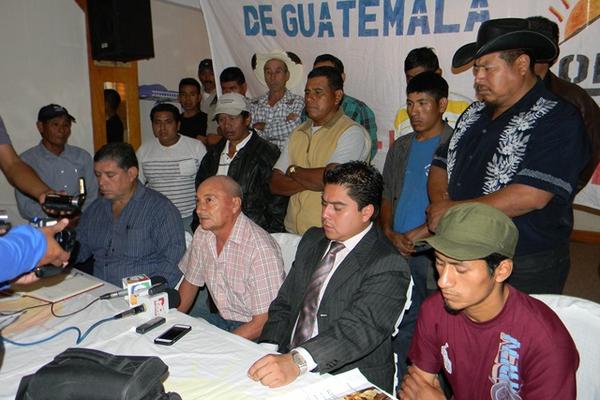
{"points": [[505, 34]]}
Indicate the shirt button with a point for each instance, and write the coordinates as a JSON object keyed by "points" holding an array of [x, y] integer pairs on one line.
{"points": [[62, 171], [484, 131]]}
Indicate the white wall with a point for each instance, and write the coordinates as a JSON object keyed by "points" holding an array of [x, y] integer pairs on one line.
{"points": [[180, 42], [44, 60]]}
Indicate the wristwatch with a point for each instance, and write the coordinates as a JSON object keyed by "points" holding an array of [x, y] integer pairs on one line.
{"points": [[291, 170], [299, 361]]}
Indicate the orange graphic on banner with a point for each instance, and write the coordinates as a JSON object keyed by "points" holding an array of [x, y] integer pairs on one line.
{"points": [[581, 15]]}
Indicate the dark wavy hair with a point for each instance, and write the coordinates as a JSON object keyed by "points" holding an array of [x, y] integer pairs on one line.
{"points": [[165, 107], [231, 74], [363, 182], [334, 78], [428, 82], [121, 153], [423, 57]]}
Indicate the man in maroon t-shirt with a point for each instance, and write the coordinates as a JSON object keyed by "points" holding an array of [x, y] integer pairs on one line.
{"points": [[491, 340]]}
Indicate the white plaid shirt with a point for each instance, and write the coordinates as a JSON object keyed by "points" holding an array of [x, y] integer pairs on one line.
{"points": [[277, 126], [245, 277]]}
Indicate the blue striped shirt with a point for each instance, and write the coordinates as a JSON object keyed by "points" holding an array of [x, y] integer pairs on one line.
{"points": [[147, 238]]}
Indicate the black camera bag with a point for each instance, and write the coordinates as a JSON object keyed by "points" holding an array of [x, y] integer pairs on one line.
{"points": [[79, 373]]}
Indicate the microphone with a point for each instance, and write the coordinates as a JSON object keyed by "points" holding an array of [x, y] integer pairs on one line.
{"points": [[158, 279], [112, 295], [158, 285], [158, 288], [131, 311], [159, 304]]}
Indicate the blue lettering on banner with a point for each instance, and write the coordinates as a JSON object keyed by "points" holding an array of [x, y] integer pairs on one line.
{"points": [[370, 18], [345, 6], [261, 22], [266, 20], [477, 16], [439, 20], [290, 24], [307, 24], [364, 18], [577, 68], [418, 20], [252, 28], [393, 16], [325, 25]]}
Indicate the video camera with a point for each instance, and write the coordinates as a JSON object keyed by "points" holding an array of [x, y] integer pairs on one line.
{"points": [[65, 204], [5, 224], [60, 204]]}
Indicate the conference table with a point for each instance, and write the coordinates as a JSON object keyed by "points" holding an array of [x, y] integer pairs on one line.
{"points": [[206, 363]]}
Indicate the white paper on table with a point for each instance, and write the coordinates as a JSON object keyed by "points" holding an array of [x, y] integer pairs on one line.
{"points": [[336, 387]]}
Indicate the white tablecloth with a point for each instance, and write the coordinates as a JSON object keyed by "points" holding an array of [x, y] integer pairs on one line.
{"points": [[207, 363]]}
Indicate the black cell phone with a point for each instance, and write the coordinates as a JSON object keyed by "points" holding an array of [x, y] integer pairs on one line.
{"points": [[172, 335], [149, 325]]}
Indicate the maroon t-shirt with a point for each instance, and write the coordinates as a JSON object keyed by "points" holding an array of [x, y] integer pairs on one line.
{"points": [[525, 352]]}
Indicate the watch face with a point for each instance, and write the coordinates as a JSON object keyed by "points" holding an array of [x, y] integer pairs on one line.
{"points": [[298, 359]]}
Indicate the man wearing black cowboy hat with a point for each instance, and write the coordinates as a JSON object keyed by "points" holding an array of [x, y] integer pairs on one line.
{"points": [[520, 149], [571, 92]]}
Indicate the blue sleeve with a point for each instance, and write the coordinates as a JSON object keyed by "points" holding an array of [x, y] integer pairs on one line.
{"points": [[20, 251], [169, 240], [91, 182]]}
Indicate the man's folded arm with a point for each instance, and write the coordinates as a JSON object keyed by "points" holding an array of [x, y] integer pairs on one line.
{"points": [[284, 185]]}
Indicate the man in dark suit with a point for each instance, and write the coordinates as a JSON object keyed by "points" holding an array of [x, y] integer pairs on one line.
{"points": [[341, 301]]}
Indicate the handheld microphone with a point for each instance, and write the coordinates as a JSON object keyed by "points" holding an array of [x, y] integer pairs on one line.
{"points": [[158, 288], [131, 311], [112, 295], [158, 285], [155, 280]]}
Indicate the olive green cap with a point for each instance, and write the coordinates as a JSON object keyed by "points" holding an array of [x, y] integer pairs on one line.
{"points": [[472, 231]]}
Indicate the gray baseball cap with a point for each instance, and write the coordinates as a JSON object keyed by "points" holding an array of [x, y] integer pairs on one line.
{"points": [[230, 103]]}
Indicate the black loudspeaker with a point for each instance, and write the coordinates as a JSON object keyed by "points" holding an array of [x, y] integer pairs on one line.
{"points": [[120, 30]]}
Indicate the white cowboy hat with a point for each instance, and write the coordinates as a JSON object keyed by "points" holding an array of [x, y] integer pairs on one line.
{"points": [[291, 60]]}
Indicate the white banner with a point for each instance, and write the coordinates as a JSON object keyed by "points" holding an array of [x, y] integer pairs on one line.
{"points": [[372, 38]]}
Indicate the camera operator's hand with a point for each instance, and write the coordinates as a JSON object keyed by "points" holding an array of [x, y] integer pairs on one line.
{"points": [[50, 211], [42, 197], [54, 253], [26, 279]]}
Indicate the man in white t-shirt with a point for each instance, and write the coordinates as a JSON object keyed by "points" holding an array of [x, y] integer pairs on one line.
{"points": [[169, 163]]}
